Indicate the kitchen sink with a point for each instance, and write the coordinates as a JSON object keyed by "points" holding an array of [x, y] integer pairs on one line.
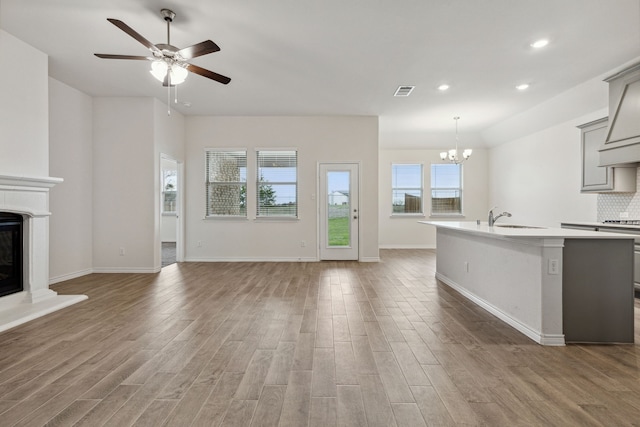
{"points": [[515, 226]]}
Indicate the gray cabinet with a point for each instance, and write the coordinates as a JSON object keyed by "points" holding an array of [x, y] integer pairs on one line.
{"points": [[633, 230], [601, 179], [622, 142]]}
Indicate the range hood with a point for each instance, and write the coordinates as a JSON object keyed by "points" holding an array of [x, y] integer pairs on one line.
{"points": [[622, 144]]}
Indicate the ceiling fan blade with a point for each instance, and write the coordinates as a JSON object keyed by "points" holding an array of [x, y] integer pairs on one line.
{"points": [[208, 74], [127, 29], [199, 49], [108, 56]]}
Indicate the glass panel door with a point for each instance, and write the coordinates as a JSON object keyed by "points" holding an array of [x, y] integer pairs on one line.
{"points": [[339, 208], [339, 211]]}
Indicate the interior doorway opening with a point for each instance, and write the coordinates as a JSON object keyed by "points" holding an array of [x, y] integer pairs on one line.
{"points": [[169, 211]]}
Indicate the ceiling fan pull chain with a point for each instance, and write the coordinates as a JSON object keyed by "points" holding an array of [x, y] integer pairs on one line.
{"points": [[175, 92], [169, 98]]}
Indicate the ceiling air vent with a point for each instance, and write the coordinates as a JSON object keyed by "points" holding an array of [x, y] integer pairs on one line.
{"points": [[403, 90]]}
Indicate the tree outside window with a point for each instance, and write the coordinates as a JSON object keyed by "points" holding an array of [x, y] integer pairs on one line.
{"points": [[169, 190], [226, 183], [277, 183]]}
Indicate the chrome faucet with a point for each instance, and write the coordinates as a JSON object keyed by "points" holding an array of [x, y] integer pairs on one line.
{"points": [[492, 219]]}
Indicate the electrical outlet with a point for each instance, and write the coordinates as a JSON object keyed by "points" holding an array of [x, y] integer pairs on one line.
{"points": [[554, 266], [199, 243], [624, 215], [303, 243], [121, 251], [466, 266]]}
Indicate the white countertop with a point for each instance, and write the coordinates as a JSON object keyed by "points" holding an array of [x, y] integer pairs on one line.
{"points": [[602, 224], [538, 233]]}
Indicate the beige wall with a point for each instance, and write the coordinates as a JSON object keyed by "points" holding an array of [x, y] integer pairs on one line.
{"points": [[318, 139]]}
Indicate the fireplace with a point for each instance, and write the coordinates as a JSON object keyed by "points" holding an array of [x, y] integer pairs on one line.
{"points": [[24, 251], [11, 251]]}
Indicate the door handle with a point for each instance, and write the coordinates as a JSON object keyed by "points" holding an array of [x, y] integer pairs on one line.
{"points": [[355, 217]]}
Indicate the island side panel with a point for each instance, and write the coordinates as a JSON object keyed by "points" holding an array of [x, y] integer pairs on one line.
{"points": [[508, 277], [598, 291]]}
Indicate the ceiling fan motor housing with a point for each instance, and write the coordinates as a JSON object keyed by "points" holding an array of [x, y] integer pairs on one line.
{"points": [[168, 14]]}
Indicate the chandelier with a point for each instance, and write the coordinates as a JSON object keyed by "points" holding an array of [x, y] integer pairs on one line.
{"points": [[452, 155]]}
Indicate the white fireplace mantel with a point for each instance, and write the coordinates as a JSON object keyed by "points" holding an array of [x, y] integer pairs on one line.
{"points": [[29, 197]]}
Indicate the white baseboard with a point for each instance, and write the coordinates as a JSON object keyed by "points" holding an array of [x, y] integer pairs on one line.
{"points": [[395, 246], [537, 336], [305, 259], [69, 276], [126, 270], [370, 259]]}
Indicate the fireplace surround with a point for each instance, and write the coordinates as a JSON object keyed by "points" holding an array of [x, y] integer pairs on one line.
{"points": [[10, 253], [27, 198]]}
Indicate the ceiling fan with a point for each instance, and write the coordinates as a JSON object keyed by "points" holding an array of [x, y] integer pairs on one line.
{"points": [[169, 64]]}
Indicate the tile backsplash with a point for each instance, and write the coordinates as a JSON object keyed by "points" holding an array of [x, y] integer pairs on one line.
{"points": [[610, 205]]}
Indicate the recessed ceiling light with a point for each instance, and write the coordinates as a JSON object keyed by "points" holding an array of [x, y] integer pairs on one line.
{"points": [[443, 87], [539, 43], [523, 86]]}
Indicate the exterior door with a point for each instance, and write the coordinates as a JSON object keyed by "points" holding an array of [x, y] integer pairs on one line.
{"points": [[339, 211]]}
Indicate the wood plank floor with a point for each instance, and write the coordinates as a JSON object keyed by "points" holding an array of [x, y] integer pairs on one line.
{"points": [[300, 344]]}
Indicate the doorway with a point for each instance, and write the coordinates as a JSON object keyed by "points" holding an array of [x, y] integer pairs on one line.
{"points": [[169, 211], [339, 211]]}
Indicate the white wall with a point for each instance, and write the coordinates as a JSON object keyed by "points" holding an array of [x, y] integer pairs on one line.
{"points": [[24, 130], [537, 177], [318, 139], [405, 232], [124, 185], [70, 157]]}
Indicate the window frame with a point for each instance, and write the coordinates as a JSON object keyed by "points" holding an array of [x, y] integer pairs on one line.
{"points": [[164, 192], [394, 189], [259, 183], [240, 183], [460, 188]]}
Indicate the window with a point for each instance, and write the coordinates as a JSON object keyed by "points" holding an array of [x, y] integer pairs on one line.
{"points": [[277, 183], [406, 188], [446, 189], [226, 183], [169, 190]]}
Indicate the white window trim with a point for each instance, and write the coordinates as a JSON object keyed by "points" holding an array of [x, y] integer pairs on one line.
{"points": [[206, 182], [410, 214], [456, 215], [276, 218]]}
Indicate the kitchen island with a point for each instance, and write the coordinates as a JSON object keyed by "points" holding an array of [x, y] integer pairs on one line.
{"points": [[553, 285]]}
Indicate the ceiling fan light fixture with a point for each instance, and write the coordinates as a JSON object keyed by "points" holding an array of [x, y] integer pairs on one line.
{"points": [[178, 74], [159, 70]]}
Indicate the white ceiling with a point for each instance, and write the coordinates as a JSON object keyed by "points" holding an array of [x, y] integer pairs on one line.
{"points": [[343, 57]]}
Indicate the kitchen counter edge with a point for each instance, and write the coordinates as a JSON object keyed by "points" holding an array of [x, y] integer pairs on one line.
{"points": [[526, 233]]}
